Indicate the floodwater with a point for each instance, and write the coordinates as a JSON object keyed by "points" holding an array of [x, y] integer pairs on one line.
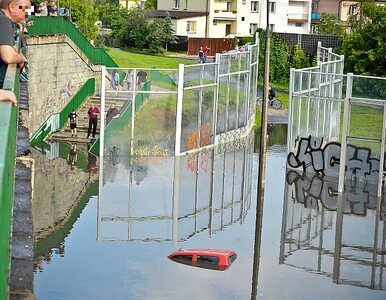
{"points": [[115, 245]]}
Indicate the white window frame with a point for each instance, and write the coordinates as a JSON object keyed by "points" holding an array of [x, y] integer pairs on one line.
{"points": [[254, 6], [252, 28], [189, 26], [272, 7], [177, 4], [352, 9], [272, 27]]}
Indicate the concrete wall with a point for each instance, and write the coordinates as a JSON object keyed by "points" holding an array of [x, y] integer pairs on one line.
{"points": [[57, 69]]}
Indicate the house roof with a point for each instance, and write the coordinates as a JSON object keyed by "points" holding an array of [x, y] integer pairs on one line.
{"points": [[175, 14]]}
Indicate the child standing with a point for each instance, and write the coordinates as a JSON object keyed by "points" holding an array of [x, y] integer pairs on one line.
{"points": [[73, 120]]}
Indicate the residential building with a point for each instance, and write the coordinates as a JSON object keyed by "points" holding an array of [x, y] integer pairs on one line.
{"points": [[342, 9], [131, 3], [231, 18]]}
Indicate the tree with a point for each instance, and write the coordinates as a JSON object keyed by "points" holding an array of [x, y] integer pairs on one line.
{"points": [[299, 59], [329, 24], [136, 28], [151, 5], [365, 48], [83, 14], [160, 32], [114, 17]]}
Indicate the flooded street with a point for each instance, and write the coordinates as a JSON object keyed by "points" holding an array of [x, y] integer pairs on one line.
{"points": [[115, 245]]}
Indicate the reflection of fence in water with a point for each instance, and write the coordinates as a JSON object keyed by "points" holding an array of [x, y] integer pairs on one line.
{"points": [[321, 236], [211, 198]]}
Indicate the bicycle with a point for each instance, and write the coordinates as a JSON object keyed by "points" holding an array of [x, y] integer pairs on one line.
{"points": [[272, 103]]}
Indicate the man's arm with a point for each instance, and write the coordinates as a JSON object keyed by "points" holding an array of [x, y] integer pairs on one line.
{"points": [[10, 56]]}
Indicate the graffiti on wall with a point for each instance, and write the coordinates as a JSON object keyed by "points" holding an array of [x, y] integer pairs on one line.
{"points": [[193, 143], [312, 156], [316, 192]]}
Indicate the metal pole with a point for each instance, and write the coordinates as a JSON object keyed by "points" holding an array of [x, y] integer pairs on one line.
{"points": [[346, 121], [262, 164], [180, 95]]}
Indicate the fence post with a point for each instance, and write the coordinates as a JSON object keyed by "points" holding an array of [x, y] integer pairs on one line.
{"points": [[103, 101], [290, 109], [346, 121], [180, 95]]}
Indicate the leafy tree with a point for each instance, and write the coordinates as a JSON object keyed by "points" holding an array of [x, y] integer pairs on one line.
{"points": [[114, 17], [151, 5], [136, 28], [365, 47], [160, 32], [299, 59], [329, 24], [83, 15]]}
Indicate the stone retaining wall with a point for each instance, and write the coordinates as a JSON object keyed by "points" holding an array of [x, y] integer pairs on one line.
{"points": [[57, 70]]}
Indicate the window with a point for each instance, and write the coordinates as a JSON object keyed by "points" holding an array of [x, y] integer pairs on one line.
{"points": [[352, 9], [214, 22], [272, 27], [182, 259], [207, 262], [191, 26], [228, 6], [242, 18], [177, 3], [298, 25], [254, 6], [252, 28], [272, 7]]}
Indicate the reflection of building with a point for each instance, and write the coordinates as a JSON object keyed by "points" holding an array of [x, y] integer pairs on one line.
{"points": [[340, 237], [180, 197]]}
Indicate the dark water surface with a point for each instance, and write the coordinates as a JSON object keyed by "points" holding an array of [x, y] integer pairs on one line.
{"points": [[116, 246]]}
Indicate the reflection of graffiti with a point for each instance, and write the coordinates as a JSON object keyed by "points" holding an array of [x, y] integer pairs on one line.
{"points": [[311, 155], [231, 146], [231, 135], [316, 190]]}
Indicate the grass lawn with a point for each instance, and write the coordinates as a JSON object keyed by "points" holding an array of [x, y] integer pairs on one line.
{"points": [[126, 59]]}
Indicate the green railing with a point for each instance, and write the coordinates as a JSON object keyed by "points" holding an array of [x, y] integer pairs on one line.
{"points": [[8, 128], [61, 25], [76, 101], [117, 124]]}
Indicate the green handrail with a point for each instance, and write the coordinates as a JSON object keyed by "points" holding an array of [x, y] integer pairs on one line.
{"points": [[8, 128], [61, 25], [76, 101], [79, 98], [117, 124]]}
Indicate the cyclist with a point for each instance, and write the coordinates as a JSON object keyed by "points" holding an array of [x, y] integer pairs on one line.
{"points": [[271, 95]]}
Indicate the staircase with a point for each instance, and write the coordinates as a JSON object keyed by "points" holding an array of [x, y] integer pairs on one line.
{"points": [[82, 126]]}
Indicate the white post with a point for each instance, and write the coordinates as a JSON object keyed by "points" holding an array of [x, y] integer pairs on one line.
{"points": [[180, 95], [346, 121], [290, 111], [103, 100], [133, 112]]}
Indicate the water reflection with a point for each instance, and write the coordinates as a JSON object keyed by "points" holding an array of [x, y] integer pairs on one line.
{"points": [[341, 237], [167, 199], [65, 178]]}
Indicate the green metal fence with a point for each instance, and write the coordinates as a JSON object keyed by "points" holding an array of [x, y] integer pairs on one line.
{"points": [[8, 127], [61, 25]]}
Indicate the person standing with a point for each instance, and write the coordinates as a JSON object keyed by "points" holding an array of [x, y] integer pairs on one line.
{"points": [[111, 113], [206, 53], [52, 9], [11, 12], [115, 82], [93, 114], [73, 120], [201, 55], [43, 8]]}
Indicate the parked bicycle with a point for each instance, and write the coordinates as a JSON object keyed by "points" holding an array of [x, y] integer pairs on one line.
{"points": [[272, 103]]}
